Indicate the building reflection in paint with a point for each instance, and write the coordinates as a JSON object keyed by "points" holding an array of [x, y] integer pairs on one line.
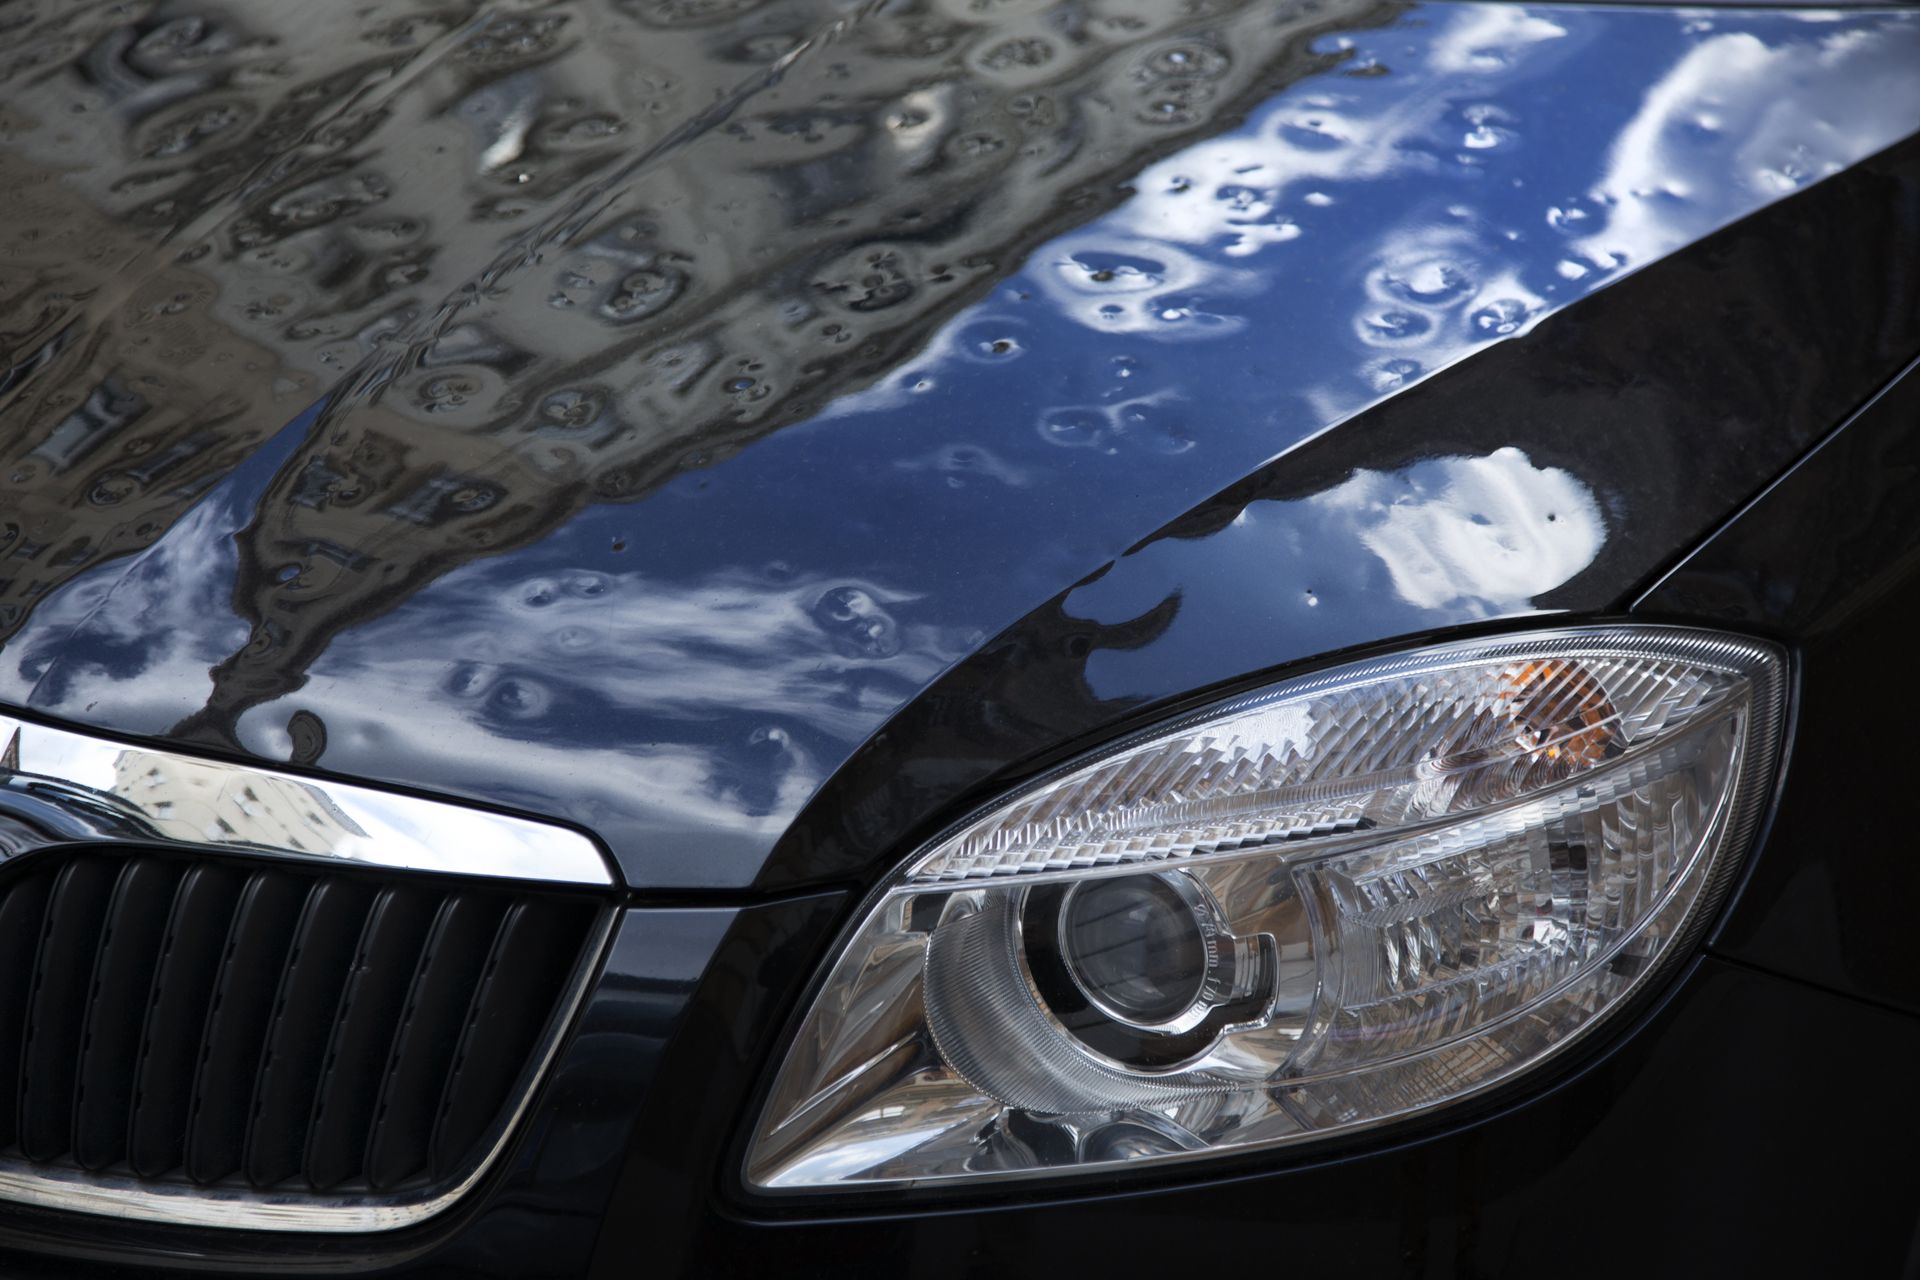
{"points": [[908, 319]]}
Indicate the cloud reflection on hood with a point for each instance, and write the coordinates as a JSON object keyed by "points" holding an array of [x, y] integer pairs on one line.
{"points": [[728, 697], [1441, 542], [1481, 533], [1725, 97]]}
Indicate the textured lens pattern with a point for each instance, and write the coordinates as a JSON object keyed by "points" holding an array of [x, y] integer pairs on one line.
{"points": [[1452, 930], [1435, 871], [1276, 769]]}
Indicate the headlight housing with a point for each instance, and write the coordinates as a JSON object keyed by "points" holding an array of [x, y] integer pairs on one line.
{"points": [[1338, 900]]}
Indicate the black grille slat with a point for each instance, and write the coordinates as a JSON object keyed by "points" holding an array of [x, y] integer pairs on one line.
{"points": [[530, 959], [429, 1035], [63, 973], [370, 1010], [235, 1025], [121, 990], [198, 923], [22, 912], [316, 972]]}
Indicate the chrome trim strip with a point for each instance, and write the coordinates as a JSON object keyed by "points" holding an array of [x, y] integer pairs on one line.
{"points": [[240, 1209], [59, 787]]}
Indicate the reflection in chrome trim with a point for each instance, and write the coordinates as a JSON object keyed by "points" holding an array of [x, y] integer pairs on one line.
{"points": [[59, 787], [62, 788], [241, 1209]]}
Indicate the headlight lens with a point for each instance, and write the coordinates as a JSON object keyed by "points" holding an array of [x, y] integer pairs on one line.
{"points": [[1345, 898]]}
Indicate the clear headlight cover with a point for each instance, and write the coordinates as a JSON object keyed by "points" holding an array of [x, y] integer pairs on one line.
{"points": [[1350, 897]]}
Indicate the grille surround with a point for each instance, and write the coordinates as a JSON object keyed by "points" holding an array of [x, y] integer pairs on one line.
{"points": [[57, 1176], [157, 819]]}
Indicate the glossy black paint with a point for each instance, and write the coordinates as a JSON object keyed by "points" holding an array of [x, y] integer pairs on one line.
{"points": [[1828, 559], [436, 536], [623, 412], [1652, 409]]}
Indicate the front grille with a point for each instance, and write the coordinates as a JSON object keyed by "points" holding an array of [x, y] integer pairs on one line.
{"points": [[228, 1026]]}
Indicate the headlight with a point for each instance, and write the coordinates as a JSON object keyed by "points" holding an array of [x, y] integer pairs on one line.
{"points": [[1350, 897]]}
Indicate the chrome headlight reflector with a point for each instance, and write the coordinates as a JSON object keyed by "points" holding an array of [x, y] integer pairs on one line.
{"points": [[1346, 898]]}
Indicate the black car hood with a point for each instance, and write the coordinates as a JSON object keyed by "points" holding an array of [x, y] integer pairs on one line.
{"points": [[753, 429]]}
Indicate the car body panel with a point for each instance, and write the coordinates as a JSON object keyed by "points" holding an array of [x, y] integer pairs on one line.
{"points": [[1829, 560], [418, 500], [1633, 412], [501, 407]]}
